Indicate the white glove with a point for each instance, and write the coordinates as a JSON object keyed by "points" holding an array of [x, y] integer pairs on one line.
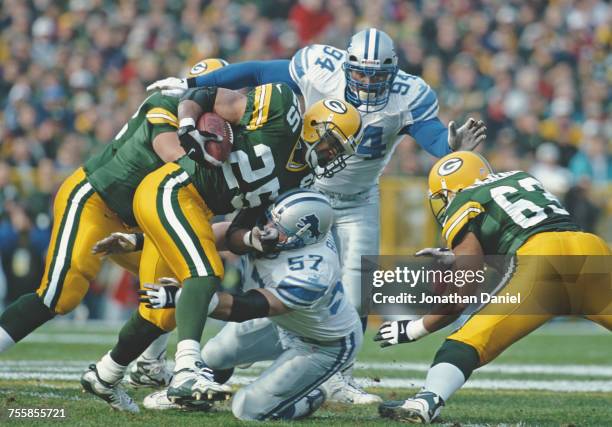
{"points": [[160, 295], [170, 86], [118, 243], [264, 241], [442, 256], [400, 331], [468, 136]]}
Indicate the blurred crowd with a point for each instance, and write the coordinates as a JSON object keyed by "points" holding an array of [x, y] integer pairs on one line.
{"points": [[73, 71]]}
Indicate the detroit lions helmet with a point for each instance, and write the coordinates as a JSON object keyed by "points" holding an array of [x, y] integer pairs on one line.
{"points": [[303, 216], [370, 68]]}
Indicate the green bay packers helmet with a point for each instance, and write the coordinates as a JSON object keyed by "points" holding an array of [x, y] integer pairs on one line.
{"points": [[330, 124], [451, 174], [206, 66]]}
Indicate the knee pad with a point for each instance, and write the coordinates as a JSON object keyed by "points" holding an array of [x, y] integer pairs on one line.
{"points": [[463, 356]]}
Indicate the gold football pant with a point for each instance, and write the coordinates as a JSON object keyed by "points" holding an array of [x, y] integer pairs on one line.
{"points": [[179, 241], [81, 218], [544, 292]]}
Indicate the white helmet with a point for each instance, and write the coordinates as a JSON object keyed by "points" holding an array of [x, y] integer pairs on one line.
{"points": [[370, 53], [304, 216]]}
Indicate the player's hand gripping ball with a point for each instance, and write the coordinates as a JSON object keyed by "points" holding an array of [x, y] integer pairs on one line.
{"points": [[208, 141]]}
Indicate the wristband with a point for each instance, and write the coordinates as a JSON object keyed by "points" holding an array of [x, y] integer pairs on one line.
{"points": [[416, 329], [187, 121]]}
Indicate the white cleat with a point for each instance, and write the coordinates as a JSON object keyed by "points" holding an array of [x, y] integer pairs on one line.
{"points": [[150, 373], [344, 389], [192, 387], [424, 408], [159, 401], [113, 394]]}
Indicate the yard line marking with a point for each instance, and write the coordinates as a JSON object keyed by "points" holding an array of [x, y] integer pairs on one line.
{"points": [[565, 370], [487, 384], [39, 338]]}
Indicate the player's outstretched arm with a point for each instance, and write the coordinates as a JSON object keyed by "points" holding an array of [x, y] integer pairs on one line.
{"points": [[233, 76]]}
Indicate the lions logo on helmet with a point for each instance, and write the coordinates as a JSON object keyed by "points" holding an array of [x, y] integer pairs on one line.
{"points": [[451, 174], [370, 69], [206, 66], [303, 216], [337, 123], [312, 222]]}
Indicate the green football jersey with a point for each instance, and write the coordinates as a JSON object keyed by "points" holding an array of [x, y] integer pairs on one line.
{"points": [[261, 164], [503, 211], [116, 171]]}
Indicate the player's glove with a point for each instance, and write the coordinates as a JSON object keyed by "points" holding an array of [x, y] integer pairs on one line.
{"points": [[119, 243], [194, 142], [468, 136], [443, 256], [399, 332], [262, 240], [171, 86], [160, 295]]}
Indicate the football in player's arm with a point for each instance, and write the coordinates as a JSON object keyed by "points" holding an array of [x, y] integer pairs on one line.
{"points": [[510, 214]]}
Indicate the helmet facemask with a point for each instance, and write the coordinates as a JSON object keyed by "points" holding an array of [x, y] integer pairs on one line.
{"points": [[368, 88], [439, 202], [332, 138]]}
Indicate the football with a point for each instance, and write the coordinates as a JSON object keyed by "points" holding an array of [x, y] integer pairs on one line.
{"points": [[213, 123]]}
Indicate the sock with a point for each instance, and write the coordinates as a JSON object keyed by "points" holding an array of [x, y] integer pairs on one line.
{"points": [[109, 370], [364, 324], [135, 336], [6, 341], [192, 307], [24, 315], [187, 354], [444, 379], [157, 349]]}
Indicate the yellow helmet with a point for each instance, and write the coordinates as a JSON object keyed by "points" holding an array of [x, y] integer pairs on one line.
{"points": [[206, 66], [451, 174], [330, 126]]}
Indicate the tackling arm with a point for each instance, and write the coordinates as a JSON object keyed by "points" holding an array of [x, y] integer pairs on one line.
{"points": [[245, 74]]}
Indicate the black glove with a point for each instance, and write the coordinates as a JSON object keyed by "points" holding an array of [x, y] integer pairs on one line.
{"points": [[194, 142], [160, 295]]}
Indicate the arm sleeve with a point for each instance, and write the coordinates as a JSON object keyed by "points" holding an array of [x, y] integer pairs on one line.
{"points": [[250, 73], [431, 135], [298, 293]]}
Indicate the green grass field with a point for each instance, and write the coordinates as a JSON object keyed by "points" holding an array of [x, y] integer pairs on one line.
{"points": [[561, 375]]}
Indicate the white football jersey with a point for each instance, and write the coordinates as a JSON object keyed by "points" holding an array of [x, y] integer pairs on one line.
{"points": [[318, 72], [307, 281]]}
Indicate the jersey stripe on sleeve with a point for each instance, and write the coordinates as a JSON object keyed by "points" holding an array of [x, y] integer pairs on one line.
{"points": [[453, 225]]}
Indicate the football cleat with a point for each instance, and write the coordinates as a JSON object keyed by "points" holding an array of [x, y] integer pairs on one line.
{"points": [[344, 389], [189, 386], [113, 394], [159, 401], [150, 373], [423, 408]]}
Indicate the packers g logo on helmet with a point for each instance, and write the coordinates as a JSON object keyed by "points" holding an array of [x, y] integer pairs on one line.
{"points": [[206, 66], [450, 166], [451, 174], [335, 105]]}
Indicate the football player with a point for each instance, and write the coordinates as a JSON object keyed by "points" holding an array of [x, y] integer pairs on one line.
{"points": [[272, 152], [311, 330], [552, 266], [392, 103], [93, 202]]}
